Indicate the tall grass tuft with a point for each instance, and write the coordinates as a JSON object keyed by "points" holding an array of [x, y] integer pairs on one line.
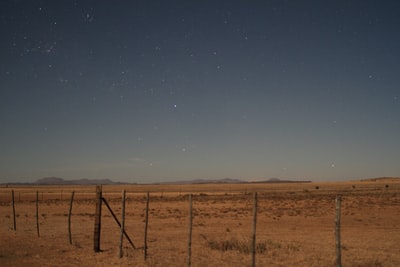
{"points": [[243, 246]]}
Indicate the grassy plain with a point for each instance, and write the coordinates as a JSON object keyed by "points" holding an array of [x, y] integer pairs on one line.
{"points": [[295, 225]]}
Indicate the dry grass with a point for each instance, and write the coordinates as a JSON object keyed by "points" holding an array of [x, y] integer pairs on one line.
{"points": [[242, 246], [295, 225]]}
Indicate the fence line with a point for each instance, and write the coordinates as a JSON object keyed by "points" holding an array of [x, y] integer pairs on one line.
{"points": [[37, 213], [122, 224], [337, 232], [69, 217], [253, 247], [190, 224], [189, 256], [97, 221], [146, 224], [13, 208]]}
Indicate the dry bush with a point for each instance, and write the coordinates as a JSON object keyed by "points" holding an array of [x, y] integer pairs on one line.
{"points": [[242, 246]]}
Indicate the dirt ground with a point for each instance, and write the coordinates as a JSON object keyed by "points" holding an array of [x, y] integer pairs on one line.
{"points": [[295, 225]]}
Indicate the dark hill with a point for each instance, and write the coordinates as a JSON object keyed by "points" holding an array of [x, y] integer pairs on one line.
{"points": [[61, 181]]}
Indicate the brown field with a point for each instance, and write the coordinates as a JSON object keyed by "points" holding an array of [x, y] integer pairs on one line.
{"points": [[295, 225]]}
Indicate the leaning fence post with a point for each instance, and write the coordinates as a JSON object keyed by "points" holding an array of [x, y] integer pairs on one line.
{"points": [[37, 213], [117, 221], [121, 239], [69, 217], [97, 221], [146, 225], [337, 232], [13, 208], [189, 257]]}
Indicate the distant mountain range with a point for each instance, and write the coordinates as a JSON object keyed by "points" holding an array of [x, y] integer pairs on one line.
{"points": [[206, 181], [61, 181], [232, 181]]}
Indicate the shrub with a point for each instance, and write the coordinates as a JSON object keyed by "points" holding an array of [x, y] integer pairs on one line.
{"points": [[243, 246]]}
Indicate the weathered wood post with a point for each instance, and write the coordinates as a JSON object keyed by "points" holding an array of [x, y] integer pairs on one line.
{"points": [[69, 217], [146, 224], [37, 213], [253, 239], [337, 232], [97, 219], [189, 257], [13, 208], [121, 239]]}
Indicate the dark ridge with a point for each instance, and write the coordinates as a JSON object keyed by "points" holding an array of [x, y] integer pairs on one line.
{"points": [[380, 179], [277, 180], [230, 181], [61, 181]]}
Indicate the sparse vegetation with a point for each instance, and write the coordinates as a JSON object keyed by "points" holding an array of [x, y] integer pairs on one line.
{"points": [[294, 225], [242, 246]]}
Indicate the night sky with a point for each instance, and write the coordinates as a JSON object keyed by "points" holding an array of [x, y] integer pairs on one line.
{"points": [[150, 91]]}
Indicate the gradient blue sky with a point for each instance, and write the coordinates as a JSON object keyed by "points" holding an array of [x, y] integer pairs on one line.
{"points": [[149, 91]]}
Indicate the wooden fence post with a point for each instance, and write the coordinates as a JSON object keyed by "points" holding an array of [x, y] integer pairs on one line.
{"points": [[189, 257], [13, 208], [37, 213], [253, 239], [337, 232], [121, 240], [69, 217], [97, 221], [146, 224]]}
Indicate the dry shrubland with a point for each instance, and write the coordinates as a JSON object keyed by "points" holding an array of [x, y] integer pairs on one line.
{"points": [[295, 225]]}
